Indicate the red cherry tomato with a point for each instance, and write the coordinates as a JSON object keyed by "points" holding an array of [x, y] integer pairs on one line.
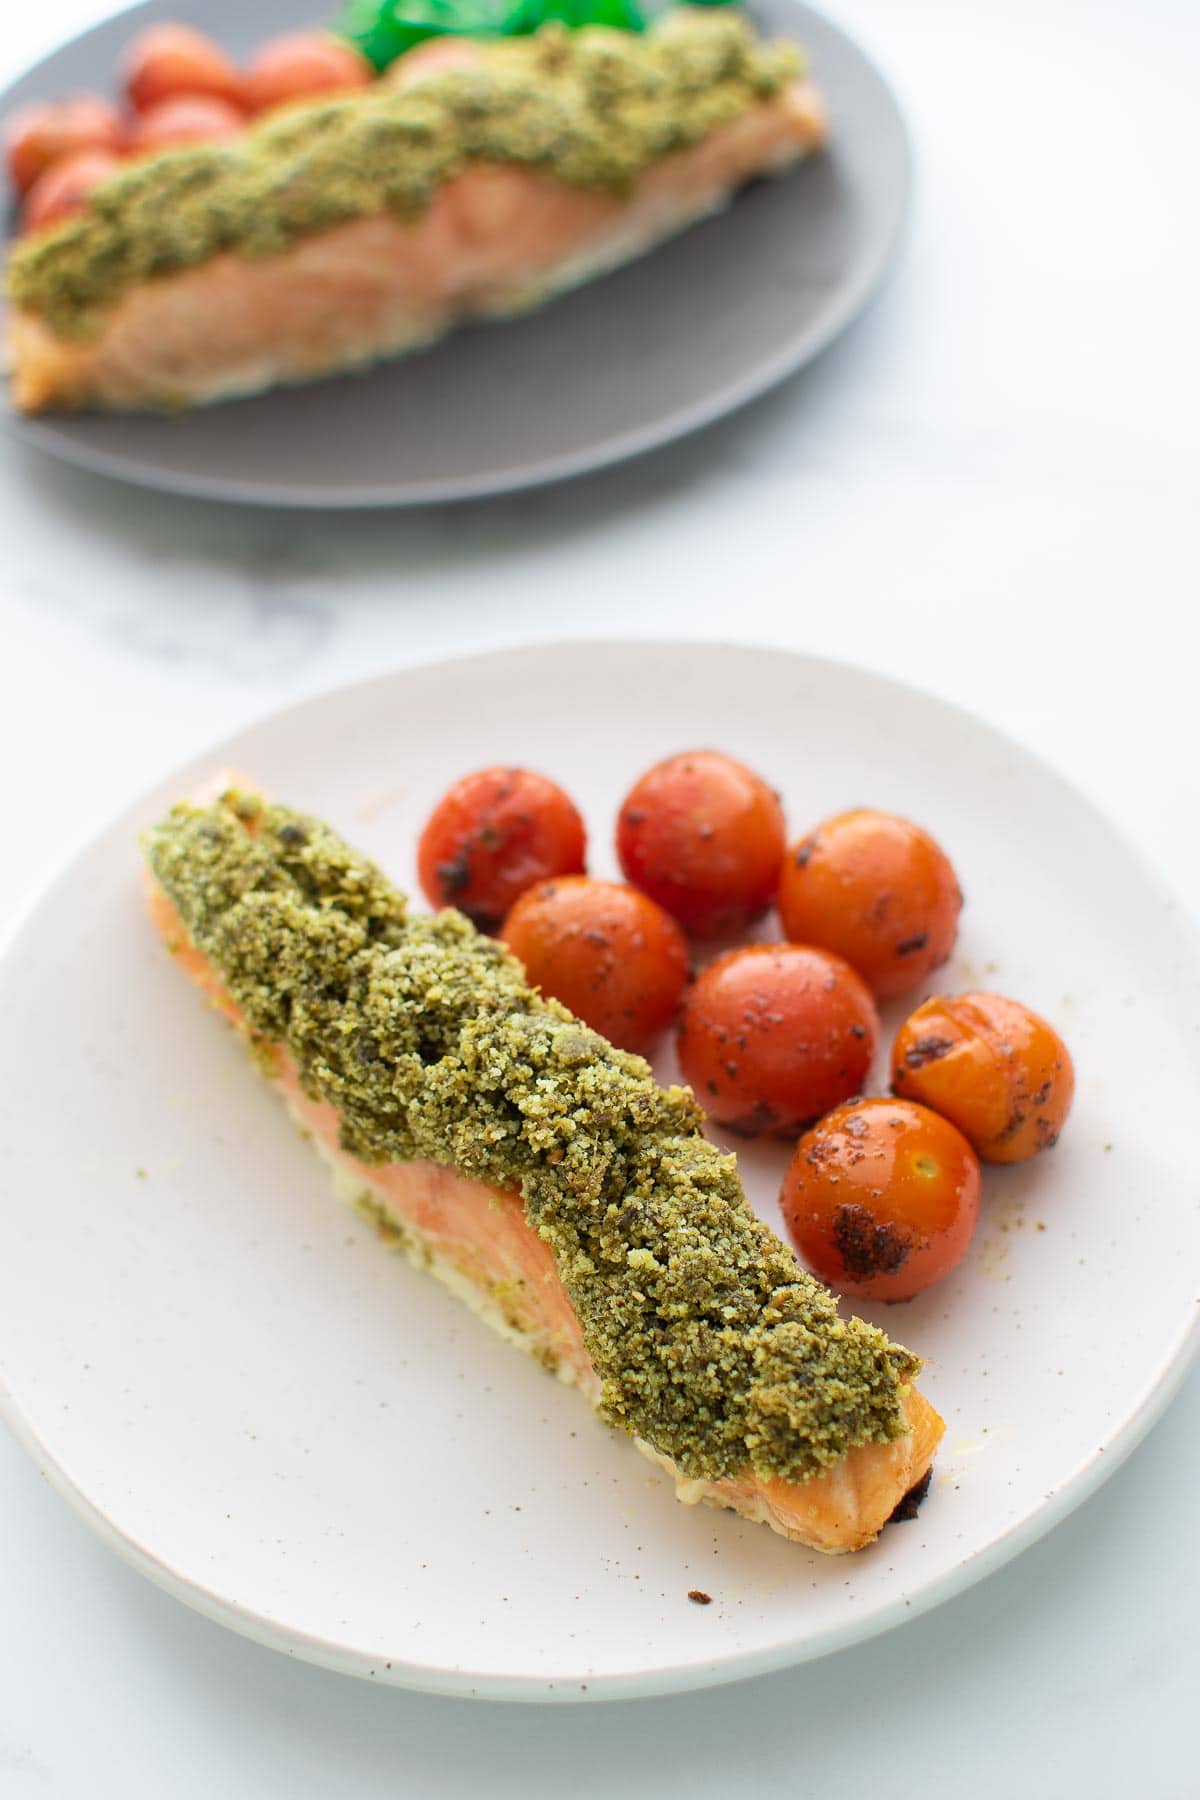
{"points": [[174, 59], [618, 962], [185, 119], [881, 1198], [704, 836], [878, 891], [302, 64], [37, 137], [65, 187], [773, 1035], [1001, 1073], [493, 835]]}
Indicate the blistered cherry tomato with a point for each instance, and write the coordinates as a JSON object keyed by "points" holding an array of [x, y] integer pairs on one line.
{"points": [[302, 64], [185, 119], [493, 835], [175, 59], [773, 1035], [877, 890], [618, 961], [881, 1198], [704, 836], [1001, 1073], [64, 188], [37, 137]]}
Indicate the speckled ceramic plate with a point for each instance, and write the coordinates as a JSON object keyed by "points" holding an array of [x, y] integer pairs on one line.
{"points": [[674, 341], [296, 1432]]}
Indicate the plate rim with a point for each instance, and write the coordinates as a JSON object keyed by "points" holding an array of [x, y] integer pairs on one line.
{"points": [[849, 304], [1160, 1388]]}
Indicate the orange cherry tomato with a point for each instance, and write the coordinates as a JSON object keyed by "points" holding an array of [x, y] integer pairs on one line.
{"points": [[618, 961], [1001, 1073], [773, 1035], [175, 59], [704, 836], [494, 834], [185, 119], [37, 137], [302, 64], [881, 1198], [65, 187], [877, 890]]}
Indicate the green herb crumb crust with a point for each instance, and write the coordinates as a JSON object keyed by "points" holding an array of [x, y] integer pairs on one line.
{"points": [[593, 107], [711, 1341]]}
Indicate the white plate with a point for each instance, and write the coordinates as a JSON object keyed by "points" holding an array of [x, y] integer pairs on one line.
{"points": [[297, 1433]]}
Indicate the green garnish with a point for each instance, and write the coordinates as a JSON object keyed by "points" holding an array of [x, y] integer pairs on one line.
{"points": [[384, 29]]}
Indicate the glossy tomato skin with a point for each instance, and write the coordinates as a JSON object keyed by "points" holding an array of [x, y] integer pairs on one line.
{"points": [[167, 60], [773, 1035], [1000, 1072], [881, 1198], [184, 119], [879, 891], [493, 835], [618, 961], [37, 137], [64, 188], [301, 64], [704, 836]]}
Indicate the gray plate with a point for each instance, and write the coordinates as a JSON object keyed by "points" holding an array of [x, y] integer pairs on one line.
{"points": [[700, 326]]}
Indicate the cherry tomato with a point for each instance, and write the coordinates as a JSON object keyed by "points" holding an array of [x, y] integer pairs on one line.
{"points": [[302, 64], [618, 961], [64, 188], [704, 836], [174, 59], [1001, 1073], [881, 1198], [37, 137], [878, 891], [185, 119], [773, 1035], [493, 835]]}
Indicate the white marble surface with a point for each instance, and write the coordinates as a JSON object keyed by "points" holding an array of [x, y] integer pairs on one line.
{"points": [[989, 488]]}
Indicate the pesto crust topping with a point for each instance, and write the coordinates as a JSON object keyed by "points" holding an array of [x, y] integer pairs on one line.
{"points": [[593, 107], [712, 1343]]}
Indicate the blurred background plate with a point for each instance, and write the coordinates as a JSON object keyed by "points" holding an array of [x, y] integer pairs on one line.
{"points": [[629, 362]]}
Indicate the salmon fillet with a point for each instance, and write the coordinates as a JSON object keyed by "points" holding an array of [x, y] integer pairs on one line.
{"points": [[495, 239], [477, 1240]]}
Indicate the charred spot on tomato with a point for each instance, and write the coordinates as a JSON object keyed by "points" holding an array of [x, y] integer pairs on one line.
{"points": [[1013, 1124], [926, 1050], [454, 876], [855, 1126], [910, 945], [803, 853], [865, 1246]]}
